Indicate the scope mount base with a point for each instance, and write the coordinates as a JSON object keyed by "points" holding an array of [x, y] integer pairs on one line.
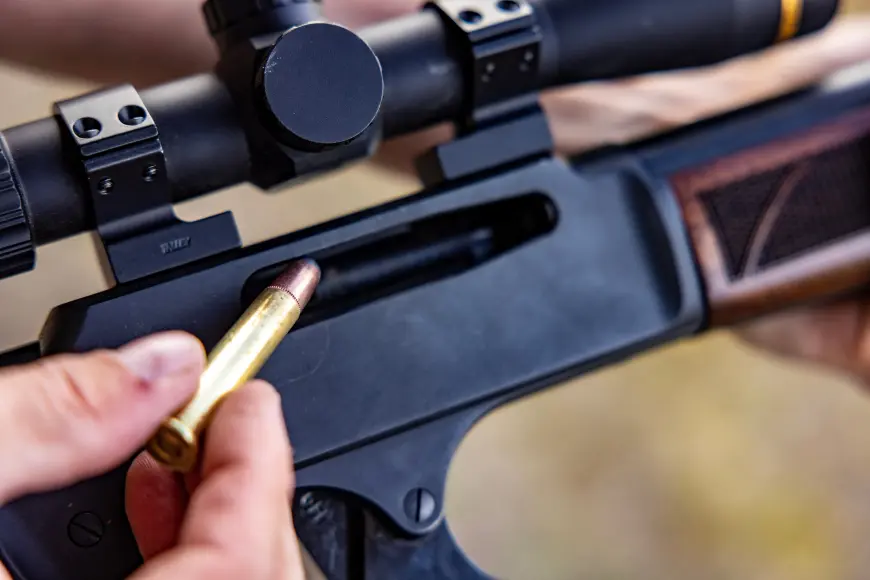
{"points": [[127, 175]]}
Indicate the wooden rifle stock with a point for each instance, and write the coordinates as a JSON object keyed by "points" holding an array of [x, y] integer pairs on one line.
{"points": [[782, 224]]}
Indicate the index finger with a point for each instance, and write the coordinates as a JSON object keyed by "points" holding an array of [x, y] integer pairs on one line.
{"points": [[236, 517]]}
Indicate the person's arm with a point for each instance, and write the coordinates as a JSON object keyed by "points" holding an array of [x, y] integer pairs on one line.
{"points": [[143, 42], [107, 41]]}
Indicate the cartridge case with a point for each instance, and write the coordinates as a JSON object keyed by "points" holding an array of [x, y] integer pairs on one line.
{"points": [[236, 359]]}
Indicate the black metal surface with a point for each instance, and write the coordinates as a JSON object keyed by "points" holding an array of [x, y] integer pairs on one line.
{"points": [[405, 534], [124, 166], [17, 250], [202, 135], [202, 138], [503, 44], [520, 138], [351, 544], [296, 99], [413, 367], [816, 14], [602, 40], [211, 142], [319, 86], [22, 355], [423, 72]]}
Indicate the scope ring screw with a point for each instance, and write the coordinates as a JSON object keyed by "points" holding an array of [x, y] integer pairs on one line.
{"points": [[105, 186], [420, 505], [508, 5], [132, 115], [487, 75], [150, 173], [86, 529], [87, 128], [470, 16]]}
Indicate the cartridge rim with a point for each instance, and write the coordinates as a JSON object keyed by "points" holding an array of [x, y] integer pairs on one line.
{"points": [[175, 446]]}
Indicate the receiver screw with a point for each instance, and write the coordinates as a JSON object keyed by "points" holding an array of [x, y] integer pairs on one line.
{"points": [[86, 529], [150, 173], [105, 186], [420, 505]]}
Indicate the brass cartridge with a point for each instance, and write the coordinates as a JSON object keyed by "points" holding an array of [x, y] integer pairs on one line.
{"points": [[236, 359]]}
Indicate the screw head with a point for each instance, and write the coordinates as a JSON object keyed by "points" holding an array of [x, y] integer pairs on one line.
{"points": [[420, 505], [132, 115], [307, 500], [86, 529], [470, 16], [105, 186], [87, 128], [150, 173]]}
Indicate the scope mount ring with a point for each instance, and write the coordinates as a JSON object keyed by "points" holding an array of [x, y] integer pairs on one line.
{"points": [[503, 40], [125, 170]]}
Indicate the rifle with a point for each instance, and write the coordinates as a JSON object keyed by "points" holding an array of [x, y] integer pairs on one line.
{"points": [[509, 272]]}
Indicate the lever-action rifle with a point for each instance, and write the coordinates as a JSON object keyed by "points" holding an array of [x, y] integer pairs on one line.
{"points": [[511, 271]]}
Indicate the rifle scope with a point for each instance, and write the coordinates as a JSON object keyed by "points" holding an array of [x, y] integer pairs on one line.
{"points": [[428, 79]]}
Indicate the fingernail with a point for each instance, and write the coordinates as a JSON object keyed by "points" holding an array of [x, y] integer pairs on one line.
{"points": [[163, 355]]}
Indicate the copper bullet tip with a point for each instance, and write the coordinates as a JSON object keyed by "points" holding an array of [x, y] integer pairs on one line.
{"points": [[300, 280]]}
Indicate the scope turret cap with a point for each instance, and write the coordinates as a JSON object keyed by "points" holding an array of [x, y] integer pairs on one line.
{"points": [[17, 251], [320, 86]]}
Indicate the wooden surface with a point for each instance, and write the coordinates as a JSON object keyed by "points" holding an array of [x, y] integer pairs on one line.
{"points": [[740, 285], [704, 460]]}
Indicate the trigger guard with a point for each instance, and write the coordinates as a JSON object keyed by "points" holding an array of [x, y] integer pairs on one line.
{"points": [[388, 473]]}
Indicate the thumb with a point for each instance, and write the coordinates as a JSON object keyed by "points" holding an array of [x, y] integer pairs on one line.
{"points": [[72, 417]]}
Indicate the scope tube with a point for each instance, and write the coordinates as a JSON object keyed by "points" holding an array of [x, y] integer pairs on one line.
{"points": [[604, 40], [424, 74], [202, 138]]}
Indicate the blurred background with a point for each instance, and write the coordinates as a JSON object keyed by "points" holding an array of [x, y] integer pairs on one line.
{"points": [[704, 460]]}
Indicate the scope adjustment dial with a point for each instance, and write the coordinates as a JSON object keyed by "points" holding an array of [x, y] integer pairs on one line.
{"points": [[320, 86], [17, 250]]}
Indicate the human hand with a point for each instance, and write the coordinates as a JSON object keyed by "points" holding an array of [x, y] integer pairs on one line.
{"points": [[69, 418], [232, 518]]}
